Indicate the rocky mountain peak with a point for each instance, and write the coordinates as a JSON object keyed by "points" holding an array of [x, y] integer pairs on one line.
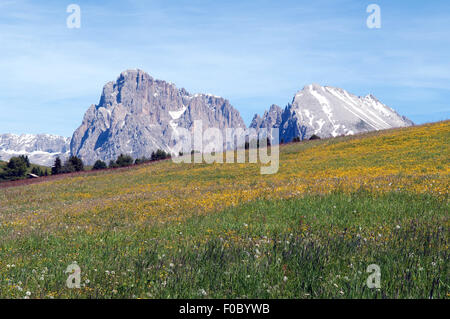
{"points": [[329, 111], [138, 114]]}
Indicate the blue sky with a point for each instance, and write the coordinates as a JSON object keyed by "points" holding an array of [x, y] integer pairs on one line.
{"points": [[254, 53]]}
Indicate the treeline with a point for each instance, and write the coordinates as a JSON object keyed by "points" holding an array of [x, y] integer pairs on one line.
{"points": [[19, 167], [75, 164], [268, 144], [299, 139], [127, 160]]}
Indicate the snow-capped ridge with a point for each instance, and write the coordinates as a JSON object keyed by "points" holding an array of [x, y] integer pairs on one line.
{"points": [[40, 148], [330, 111]]}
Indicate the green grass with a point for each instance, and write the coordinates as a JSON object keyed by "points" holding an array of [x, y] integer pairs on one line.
{"points": [[321, 244], [167, 230]]}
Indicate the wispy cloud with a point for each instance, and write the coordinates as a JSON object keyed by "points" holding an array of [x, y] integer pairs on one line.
{"points": [[253, 52]]}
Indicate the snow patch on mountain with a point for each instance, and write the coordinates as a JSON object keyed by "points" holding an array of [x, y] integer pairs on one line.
{"points": [[41, 149], [329, 112]]}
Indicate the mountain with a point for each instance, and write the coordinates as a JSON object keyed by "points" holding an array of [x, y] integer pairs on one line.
{"points": [[271, 118], [329, 112], [41, 149], [138, 114]]}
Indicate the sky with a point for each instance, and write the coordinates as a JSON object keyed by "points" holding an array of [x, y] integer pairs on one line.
{"points": [[253, 53]]}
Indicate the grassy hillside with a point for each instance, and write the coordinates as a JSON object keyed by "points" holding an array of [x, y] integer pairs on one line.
{"points": [[167, 230]]}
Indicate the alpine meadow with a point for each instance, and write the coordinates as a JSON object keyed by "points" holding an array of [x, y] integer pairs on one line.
{"points": [[167, 230]]}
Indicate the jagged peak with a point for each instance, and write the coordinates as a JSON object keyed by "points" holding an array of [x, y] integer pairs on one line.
{"points": [[256, 117], [372, 97], [133, 71], [209, 95], [275, 108]]}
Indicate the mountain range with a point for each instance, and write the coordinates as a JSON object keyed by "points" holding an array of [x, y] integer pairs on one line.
{"points": [[41, 148], [329, 112], [138, 114]]}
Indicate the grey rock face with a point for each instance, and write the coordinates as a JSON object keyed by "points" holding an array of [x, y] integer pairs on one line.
{"points": [[41, 149], [138, 114], [330, 112], [271, 118]]}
